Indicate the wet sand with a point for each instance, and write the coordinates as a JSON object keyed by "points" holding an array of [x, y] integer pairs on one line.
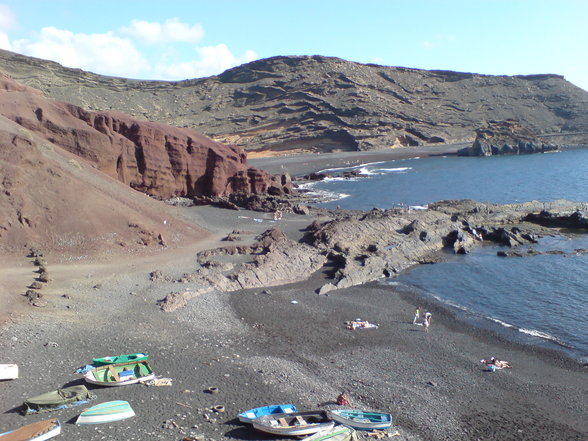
{"points": [[260, 348]]}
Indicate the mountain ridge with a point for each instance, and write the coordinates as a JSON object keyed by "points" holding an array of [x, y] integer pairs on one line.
{"points": [[294, 104]]}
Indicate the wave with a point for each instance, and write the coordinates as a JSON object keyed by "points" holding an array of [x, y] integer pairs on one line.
{"points": [[532, 332], [396, 169], [366, 171], [350, 167], [340, 179]]}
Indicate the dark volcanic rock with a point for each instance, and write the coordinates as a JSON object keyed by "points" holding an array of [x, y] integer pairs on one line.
{"points": [[154, 158], [323, 104], [507, 137]]}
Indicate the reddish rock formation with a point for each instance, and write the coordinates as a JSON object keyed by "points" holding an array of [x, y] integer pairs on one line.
{"points": [[157, 159]]}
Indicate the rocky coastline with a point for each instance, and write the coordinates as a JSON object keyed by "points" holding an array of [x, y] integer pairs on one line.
{"points": [[362, 247]]}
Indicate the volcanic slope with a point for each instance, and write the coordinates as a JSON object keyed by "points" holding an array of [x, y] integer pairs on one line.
{"points": [[319, 104]]}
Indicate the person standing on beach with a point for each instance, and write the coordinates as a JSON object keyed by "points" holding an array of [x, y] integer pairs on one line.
{"points": [[417, 314], [427, 321]]}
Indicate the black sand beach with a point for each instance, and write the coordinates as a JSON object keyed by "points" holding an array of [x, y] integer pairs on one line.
{"points": [[286, 344]]}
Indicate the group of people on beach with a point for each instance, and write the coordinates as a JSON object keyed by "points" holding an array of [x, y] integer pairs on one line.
{"points": [[426, 319]]}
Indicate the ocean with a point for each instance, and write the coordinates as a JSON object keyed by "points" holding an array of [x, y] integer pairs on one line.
{"points": [[540, 300]]}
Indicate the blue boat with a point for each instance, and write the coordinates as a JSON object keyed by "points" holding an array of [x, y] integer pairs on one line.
{"points": [[251, 415]]}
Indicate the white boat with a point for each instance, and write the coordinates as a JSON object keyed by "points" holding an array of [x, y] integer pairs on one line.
{"points": [[38, 431], [120, 374], [8, 371], [106, 413], [294, 424], [361, 419], [336, 433]]}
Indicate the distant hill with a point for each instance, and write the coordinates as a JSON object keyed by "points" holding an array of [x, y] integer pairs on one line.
{"points": [[315, 103]]}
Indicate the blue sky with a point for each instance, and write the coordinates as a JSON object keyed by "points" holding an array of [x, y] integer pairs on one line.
{"points": [[175, 40]]}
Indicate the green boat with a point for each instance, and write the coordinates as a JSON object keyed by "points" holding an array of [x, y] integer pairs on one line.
{"points": [[120, 374], [58, 399], [103, 361]]}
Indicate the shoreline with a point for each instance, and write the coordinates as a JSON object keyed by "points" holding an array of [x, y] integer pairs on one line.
{"points": [[299, 165], [258, 347]]}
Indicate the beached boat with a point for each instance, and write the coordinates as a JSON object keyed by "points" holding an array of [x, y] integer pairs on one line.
{"points": [[250, 415], [8, 371], [361, 419], [335, 433], [103, 361], [58, 399], [294, 424], [38, 431], [106, 413], [120, 374]]}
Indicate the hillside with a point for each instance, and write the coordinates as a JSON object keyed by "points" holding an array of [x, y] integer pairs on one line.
{"points": [[68, 177], [315, 103]]}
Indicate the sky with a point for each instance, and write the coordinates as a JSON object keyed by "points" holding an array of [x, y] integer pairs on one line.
{"points": [[175, 40]]}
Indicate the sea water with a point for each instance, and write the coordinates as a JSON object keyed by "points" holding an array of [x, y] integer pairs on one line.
{"points": [[539, 300]]}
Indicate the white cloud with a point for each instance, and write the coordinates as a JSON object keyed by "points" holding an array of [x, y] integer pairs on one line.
{"points": [[171, 30], [5, 42], [212, 60], [7, 18], [119, 53], [102, 53]]}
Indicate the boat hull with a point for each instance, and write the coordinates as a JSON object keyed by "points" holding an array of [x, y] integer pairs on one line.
{"points": [[251, 415], [106, 413], [361, 420], [8, 371], [294, 424], [120, 374], [103, 361], [336, 433], [39, 431]]}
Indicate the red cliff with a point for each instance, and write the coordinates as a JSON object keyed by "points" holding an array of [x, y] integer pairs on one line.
{"points": [[161, 160]]}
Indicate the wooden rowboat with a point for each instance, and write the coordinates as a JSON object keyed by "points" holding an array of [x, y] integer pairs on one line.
{"points": [[106, 413], [294, 424], [336, 433], [251, 415], [138, 356], [361, 419], [39, 431], [8, 371], [120, 374]]}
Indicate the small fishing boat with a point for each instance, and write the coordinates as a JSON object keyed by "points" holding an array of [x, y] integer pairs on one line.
{"points": [[294, 424], [58, 399], [38, 431], [250, 415], [106, 413], [361, 419], [103, 361], [8, 371], [336, 433], [120, 374]]}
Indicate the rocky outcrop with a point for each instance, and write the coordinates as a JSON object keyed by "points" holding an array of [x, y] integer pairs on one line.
{"points": [[362, 247], [321, 104], [157, 159], [507, 137], [276, 261]]}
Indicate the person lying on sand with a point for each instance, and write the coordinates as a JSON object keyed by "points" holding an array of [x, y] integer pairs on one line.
{"points": [[498, 364]]}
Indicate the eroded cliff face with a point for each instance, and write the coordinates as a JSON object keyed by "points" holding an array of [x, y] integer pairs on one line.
{"points": [[507, 137], [321, 104], [160, 160]]}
